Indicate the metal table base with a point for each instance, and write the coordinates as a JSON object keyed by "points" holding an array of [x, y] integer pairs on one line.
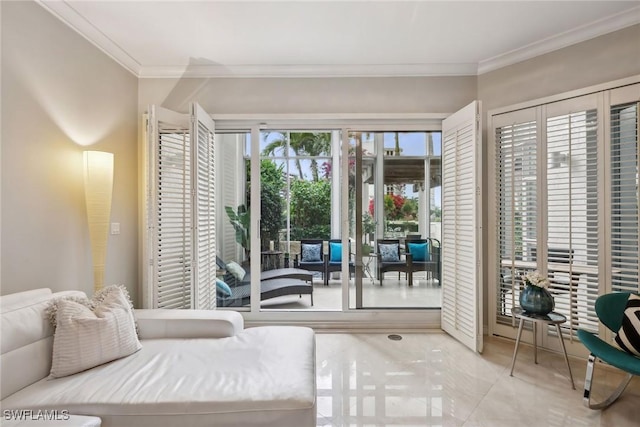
{"points": [[552, 318]]}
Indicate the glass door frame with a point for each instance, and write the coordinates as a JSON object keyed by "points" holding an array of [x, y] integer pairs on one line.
{"points": [[379, 190], [375, 318]]}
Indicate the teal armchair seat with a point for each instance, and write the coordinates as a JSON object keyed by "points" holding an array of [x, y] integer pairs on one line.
{"points": [[610, 310]]}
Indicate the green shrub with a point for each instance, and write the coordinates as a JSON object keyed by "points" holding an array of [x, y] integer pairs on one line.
{"points": [[310, 209]]}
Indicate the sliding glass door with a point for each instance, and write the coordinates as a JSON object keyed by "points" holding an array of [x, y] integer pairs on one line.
{"points": [[392, 193], [394, 204]]}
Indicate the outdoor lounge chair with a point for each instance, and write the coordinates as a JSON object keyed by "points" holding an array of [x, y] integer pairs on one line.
{"points": [[273, 283]]}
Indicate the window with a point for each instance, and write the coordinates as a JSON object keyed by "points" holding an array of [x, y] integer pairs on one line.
{"points": [[572, 217], [554, 194], [624, 197], [517, 209]]}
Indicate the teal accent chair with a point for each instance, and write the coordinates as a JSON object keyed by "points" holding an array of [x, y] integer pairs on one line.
{"points": [[610, 310]]}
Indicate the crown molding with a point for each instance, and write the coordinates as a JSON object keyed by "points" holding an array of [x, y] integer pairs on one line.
{"points": [[67, 14], [579, 34], [301, 71]]}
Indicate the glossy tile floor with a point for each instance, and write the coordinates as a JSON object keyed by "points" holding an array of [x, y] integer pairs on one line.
{"points": [[432, 380]]}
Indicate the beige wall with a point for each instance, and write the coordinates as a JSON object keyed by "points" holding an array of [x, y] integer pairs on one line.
{"points": [[311, 95], [61, 96], [603, 59]]}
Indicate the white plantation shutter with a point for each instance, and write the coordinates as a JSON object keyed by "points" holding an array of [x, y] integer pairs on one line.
{"points": [[181, 209], [170, 209], [625, 198], [578, 182], [461, 241], [229, 173], [517, 207], [573, 242], [204, 202]]}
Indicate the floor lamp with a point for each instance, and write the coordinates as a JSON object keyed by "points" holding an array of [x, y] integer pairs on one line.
{"points": [[98, 189]]}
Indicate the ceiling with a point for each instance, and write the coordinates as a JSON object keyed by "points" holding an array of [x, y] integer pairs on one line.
{"points": [[335, 38]]}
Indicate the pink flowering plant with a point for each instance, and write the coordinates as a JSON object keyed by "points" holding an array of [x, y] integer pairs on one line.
{"points": [[534, 278]]}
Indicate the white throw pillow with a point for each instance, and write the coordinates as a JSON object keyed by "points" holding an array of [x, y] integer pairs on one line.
{"points": [[236, 270], [86, 338]]}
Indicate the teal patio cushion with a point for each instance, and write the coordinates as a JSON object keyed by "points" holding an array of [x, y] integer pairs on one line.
{"points": [[419, 251], [223, 288], [336, 252]]}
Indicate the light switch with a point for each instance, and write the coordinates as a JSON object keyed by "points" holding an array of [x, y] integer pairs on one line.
{"points": [[115, 228]]}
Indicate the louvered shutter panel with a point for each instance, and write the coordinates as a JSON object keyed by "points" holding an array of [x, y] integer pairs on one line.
{"points": [[204, 201], [517, 207], [461, 233], [587, 206], [573, 243], [624, 198], [229, 170], [170, 209]]}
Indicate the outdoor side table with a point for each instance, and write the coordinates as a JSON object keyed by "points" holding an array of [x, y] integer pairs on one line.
{"points": [[552, 318], [270, 260], [366, 263]]}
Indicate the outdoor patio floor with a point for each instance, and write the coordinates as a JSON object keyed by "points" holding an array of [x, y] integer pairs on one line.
{"points": [[425, 293]]}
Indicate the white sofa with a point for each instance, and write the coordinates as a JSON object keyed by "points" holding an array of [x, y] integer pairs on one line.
{"points": [[195, 368]]}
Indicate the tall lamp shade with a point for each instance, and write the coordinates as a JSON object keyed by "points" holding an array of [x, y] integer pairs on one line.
{"points": [[98, 189]]}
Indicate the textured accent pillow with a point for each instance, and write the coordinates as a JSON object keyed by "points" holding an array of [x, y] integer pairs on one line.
{"points": [[311, 252], [236, 269], [223, 288], [389, 252], [628, 337], [96, 300], [52, 309], [86, 338], [419, 251], [336, 252]]}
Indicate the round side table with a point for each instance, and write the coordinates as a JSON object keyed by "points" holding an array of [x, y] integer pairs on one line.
{"points": [[552, 318]]}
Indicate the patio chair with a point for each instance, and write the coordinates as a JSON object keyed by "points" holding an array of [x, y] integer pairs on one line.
{"points": [[425, 256], [311, 256], [334, 260], [610, 309], [390, 258]]}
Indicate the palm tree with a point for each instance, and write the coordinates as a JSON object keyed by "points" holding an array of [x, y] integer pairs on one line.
{"points": [[310, 144], [314, 144], [281, 143]]}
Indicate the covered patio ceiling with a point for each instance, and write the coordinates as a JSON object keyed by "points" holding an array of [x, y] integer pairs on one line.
{"points": [[405, 170]]}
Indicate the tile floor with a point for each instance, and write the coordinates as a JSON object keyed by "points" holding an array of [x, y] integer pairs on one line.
{"points": [[432, 380]]}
